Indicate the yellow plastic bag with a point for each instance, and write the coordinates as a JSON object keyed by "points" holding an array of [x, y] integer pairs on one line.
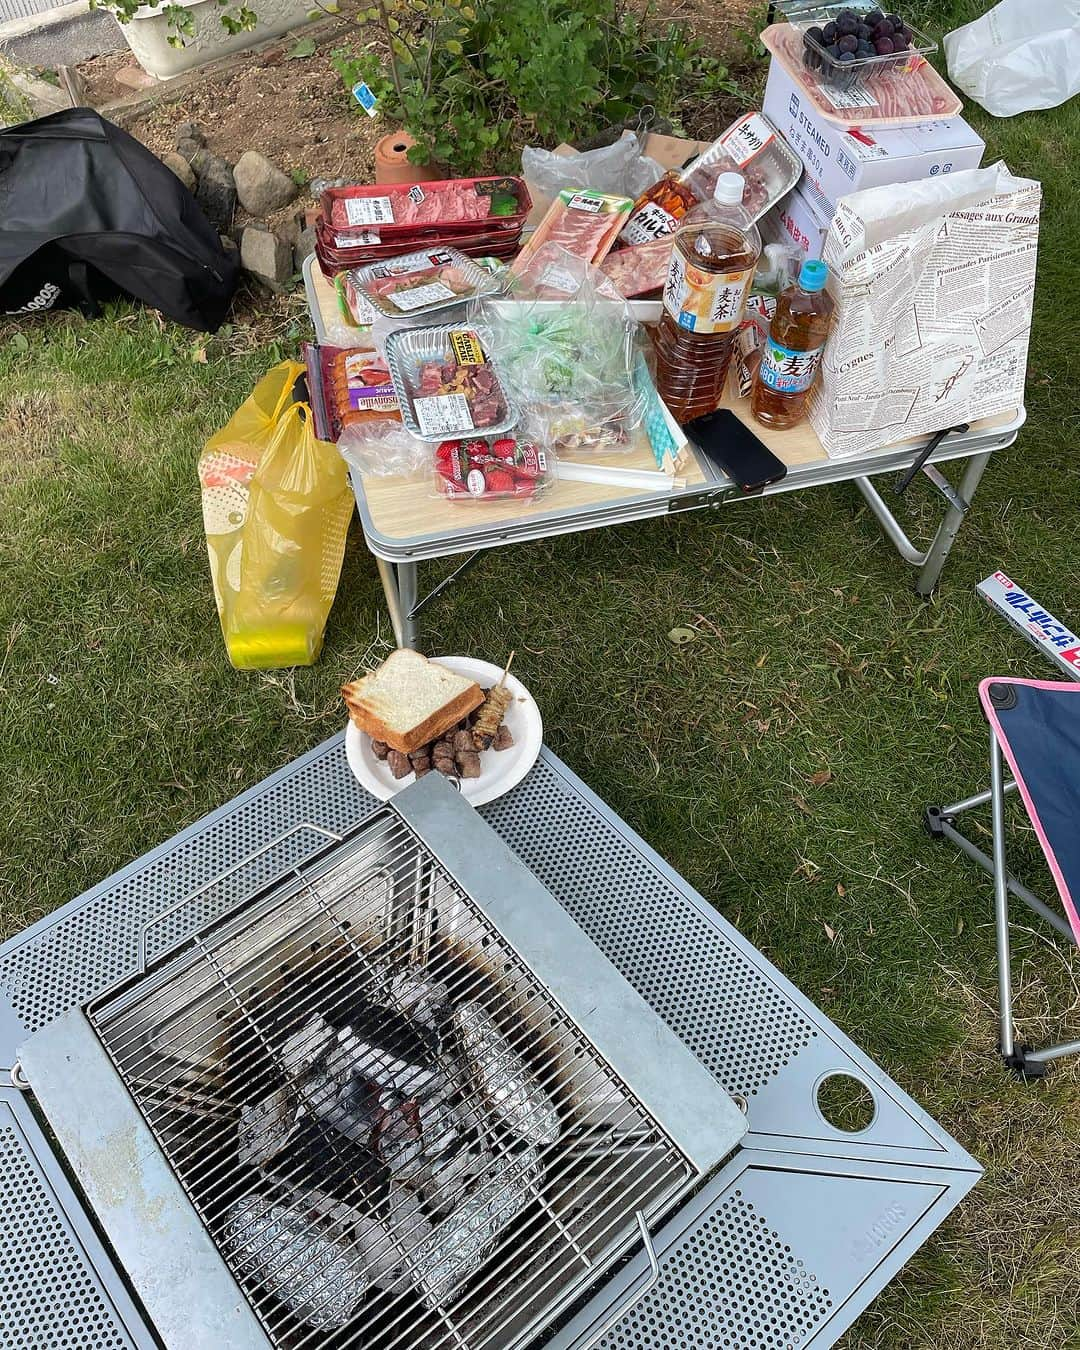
{"points": [[276, 510]]}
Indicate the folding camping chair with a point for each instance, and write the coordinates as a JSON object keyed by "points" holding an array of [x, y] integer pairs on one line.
{"points": [[1037, 725]]}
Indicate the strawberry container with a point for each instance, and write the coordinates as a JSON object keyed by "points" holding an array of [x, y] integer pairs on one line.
{"points": [[489, 468]]}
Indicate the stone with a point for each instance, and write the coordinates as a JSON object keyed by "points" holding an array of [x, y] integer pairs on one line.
{"points": [[189, 131], [266, 257], [216, 192], [179, 165], [303, 248], [261, 187], [189, 149], [229, 247], [134, 77]]}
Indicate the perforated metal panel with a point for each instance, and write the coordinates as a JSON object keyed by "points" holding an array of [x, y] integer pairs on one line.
{"points": [[50, 1293], [747, 1271]]}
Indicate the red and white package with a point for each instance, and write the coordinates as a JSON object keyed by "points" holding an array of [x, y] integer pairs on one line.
{"points": [[482, 469], [582, 224]]}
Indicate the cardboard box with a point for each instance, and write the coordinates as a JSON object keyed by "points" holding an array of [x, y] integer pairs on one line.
{"points": [[837, 162], [797, 219]]}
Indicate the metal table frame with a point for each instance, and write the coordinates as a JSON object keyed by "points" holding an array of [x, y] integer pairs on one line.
{"points": [[399, 562], [783, 1247]]}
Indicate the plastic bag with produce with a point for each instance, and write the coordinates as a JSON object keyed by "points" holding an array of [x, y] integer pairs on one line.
{"points": [[568, 363]]}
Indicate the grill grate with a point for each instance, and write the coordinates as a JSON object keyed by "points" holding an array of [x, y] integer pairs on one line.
{"points": [[487, 1168]]}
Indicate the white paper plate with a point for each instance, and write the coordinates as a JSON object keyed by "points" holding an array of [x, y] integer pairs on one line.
{"points": [[500, 770]]}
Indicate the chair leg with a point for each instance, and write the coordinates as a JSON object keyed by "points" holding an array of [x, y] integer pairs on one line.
{"points": [[1001, 900]]}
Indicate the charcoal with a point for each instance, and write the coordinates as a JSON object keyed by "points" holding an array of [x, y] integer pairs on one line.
{"points": [[354, 1054], [304, 1048], [454, 1174], [508, 1087], [267, 1127], [408, 1223], [398, 1139], [344, 1101], [426, 1001], [460, 1243], [321, 1279]]}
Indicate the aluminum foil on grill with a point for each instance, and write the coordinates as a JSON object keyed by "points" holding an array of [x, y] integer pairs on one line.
{"points": [[354, 1054], [424, 1000], [460, 1243], [321, 1279], [304, 1048], [509, 1088]]}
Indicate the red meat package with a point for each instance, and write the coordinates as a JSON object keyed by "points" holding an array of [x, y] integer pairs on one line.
{"points": [[583, 224], [482, 469], [639, 270], [381, 213]]}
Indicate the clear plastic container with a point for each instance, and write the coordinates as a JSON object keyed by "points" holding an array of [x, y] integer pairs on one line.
{"points": [[822, 26], [446, 382], [487, 468], [422, 282]]}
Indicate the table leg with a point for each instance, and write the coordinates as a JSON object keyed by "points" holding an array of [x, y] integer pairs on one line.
{"points": [[950, 526], [399, 583]]}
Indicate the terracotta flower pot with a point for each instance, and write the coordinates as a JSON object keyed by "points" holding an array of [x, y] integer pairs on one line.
{"points": [[392, 163]]}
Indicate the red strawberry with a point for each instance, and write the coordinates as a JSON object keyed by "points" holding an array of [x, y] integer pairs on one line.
{"points": [[504, 447], [524, 486], [474, 448], [446, 450], [499, 480]]}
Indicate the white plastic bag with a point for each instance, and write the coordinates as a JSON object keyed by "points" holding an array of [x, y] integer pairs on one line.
{"points": [[620, 168], [1020, 56]]}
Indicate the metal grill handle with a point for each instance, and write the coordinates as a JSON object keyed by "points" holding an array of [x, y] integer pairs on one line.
{"points": [[144, 930], [631, 1302]]}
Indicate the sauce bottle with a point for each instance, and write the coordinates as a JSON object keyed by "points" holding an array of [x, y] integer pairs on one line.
{"points": [[792, 353], [658, 210], [715, 251]]}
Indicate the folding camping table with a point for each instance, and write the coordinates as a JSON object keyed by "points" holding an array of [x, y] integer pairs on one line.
{"points": [[405, 526], [1036, 724], [784, 1246]]}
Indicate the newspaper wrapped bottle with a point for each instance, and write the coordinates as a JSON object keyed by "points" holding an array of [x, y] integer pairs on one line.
{"points": [[933, 283]]}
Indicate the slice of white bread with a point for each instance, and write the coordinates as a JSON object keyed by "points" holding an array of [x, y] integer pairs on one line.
{"points": [[410, 700]]}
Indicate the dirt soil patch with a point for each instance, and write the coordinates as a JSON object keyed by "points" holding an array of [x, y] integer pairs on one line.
{"points": [[296, 111]]}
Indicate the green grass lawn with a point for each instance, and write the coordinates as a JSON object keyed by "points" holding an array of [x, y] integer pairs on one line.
{"points": [[781, 761]]}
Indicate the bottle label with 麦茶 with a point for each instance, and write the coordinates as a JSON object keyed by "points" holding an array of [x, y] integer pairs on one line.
{"points": [[705, 302], [786, 371]]}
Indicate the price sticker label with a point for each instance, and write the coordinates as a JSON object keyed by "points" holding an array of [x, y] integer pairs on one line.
{"points": [[443, 414], [416, 297], [369, 210], [584, 201]]}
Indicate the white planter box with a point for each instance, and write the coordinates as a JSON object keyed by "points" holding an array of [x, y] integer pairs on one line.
{"points": [[147, 33]]}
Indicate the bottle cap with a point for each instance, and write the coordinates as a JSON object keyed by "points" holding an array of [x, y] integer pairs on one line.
{"points": [[729, 189], [814, 275]]}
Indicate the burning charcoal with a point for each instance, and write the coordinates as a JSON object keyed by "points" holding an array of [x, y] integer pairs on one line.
{"points": [[343, 1101], [453, 1175], [266, 1127], [379, 749], [504, 738], [379, 1249], [358, 1056], [399, 764], [322, 1279], [461, 1242], [507, 1085], [468, 763], [398, 1139], [426, 1001], [305, 1047]]}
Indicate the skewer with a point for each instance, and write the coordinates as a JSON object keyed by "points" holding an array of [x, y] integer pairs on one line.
{"points": [[493, 711]]}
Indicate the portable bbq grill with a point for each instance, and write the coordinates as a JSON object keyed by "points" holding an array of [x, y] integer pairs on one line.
{"points": [[322, 1072]]}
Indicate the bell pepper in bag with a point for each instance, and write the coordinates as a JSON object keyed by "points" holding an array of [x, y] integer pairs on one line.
{"points": [[276, 509]]}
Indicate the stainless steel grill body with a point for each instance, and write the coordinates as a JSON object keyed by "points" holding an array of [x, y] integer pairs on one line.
{"points": [[526, 1104]]}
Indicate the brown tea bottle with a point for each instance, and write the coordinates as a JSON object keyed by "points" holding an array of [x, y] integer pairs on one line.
{"points": [[792, 355]]}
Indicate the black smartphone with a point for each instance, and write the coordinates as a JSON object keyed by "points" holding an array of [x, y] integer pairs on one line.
{"points": [[732, 447]]}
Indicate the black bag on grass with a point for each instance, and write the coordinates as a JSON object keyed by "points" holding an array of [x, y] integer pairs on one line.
{"points": [[87, 214]]}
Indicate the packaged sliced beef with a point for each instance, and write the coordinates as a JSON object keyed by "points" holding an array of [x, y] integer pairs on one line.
{"points": [[389, 211]]}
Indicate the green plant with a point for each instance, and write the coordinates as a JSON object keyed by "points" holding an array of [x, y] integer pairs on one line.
{"points": [[180, 19], [471, 81], [14, 105]]}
